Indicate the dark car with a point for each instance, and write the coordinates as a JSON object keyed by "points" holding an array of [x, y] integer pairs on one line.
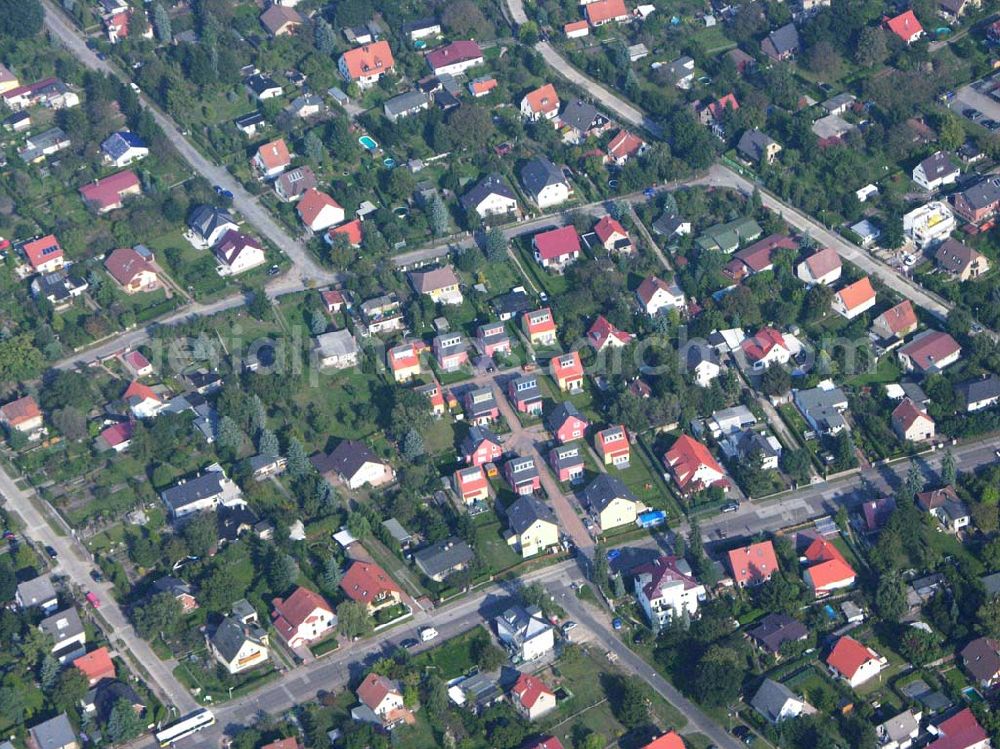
{"points": [[744, 734], [408, 643], [96, 576], [51, 552]]}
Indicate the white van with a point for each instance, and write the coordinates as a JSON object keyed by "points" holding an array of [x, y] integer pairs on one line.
{"points": [[427, 634]]}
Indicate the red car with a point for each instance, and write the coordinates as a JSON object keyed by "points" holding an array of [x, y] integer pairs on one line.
{"points": [[93, 600]]}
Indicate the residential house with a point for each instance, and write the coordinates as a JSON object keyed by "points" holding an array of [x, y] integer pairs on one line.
{"points": [[900, 731], [262, 87], [610, 502], [206, 491], [8, 81], [365, 65], [442, 559], [961, 731], [906, 27], [481, 407], [839, 104], [368, 584], [826, 568], [822, 267], [334, 300], [421, 29], [514, 302], [336, 349], [896, 322], [532, 526], [603, 334], [671, 225], [531, 697], [354, 464], [280, 20], [248, 123], [567, 371], [753, 564], [481, 446], [929, 223], [39, 592], [264, 466], [47, 143], [730, 421], [657, 296], [758, 257], [271, 159], [21, 415], [60, 287], [877, 512], [946, 507], [541, 104], [667, 590], [51, 93], [853, 662], [960, 260], [238, 252], [953, 10], [405, 105], [782, 43], [55, 733], [539, 326], [109, 194], [581, 120], [613, 447], [713, 112], [96, 665], [404, 361], [116, 437], [748, 444], [766, 348], [692, 466], [545, 183], [382, 314], [295, 184], [935, 172], [556, 248], [774, 631], [624, 146], [600, 12], [471, 485], [142, 400], [133, 271], [979, 393], [450, 351], [207, 225], [123, 147], [306, 106], [911, 422], [979, 203], [381, 703], [318, 210], [67, 634], [758, 147], [567, 463], [702, 363], [302, 618], [929, 352], [239, 643], [526, 395], [576, 29], [566, 423], [180, 590], [613, 236], [18, 123], [730, 236], [823, 408], [440, 284], [854, 299], [492, 196], [522, 475], [669, 740], [981, 659], [492, 338], [455, 58], [775, 702], [681, 72], [525, 633]]}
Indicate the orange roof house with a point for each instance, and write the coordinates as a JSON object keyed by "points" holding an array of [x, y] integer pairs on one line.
{"points": [[576, 29], [603, 334], [318, 210], [531, 697], [897, 321], [693, 466], [539, 326], [624, 146], [567, 371], [96, 665], [22, 414], [482, 86], [613, 446], [302, 617], [367, 583], [44, 254], [906, 27], [827, 569], [613, 236], [753, 564], [351, 231], [854, 299], [670, 740], [606, 11], [366, 64], [291, 743], [542, 103], [853, 662], [272, 158]]}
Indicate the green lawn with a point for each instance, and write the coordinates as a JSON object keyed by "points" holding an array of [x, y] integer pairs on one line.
{"points": [[454, 657], [493, 550], [885, 372]]}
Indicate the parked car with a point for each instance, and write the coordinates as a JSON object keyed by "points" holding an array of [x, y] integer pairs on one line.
{"points": [[613, 554], [731, 507], [51, 552], [616, 623], [408, 643], [93, 600], [96, 576], [428, 633]]}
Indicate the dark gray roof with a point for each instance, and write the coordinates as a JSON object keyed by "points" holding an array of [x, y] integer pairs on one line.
{"points": [[695, 354], [346, 459], [422, 23], [475, 436], [405, 103], [558, 415], [442, 558], [604, 489], [523, 513], [784, 40], [62, 626], [531, 390], [36, 591], [582, 116], [774, 630], [771, 698], [110, 692], [983, 194], [539, 173], [937, 165], [205, 219], [250, 119], [209, 484], [513, 302], [172, 585], [54, 733], [229, 637], [494, 184], [979, 389], [753, 144], [567, 455], [259, 83], [668, 224]]}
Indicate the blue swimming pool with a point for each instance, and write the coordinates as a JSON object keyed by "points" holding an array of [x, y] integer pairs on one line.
{"points": [[368, 142]]}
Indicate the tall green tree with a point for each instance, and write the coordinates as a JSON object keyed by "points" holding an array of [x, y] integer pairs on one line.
{"points": [[124, 724], [161, 23], [21, 19]]}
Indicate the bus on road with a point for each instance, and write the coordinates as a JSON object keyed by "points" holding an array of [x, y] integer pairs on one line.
{"points": [[185, 727]]}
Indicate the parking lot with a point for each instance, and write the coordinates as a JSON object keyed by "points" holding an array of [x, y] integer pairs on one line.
{"points": [[968, 97]]}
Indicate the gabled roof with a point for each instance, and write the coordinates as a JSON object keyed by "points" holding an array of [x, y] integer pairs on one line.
{"points": [[857, 294], [124, 264], [848, 655], [459, 51], [116, 434], [602, 330], [956, 257], [368, 60], [42, 250], [352, 231], [527, 510], [905, 25], [669, 740], [96, 664], [960, 731], [560, 414], [979, 389], [21, 410], [751, 563], [539, 173], [425, 282], [291, 613], [624, 145], [907, 413], [136, 392], [346, 460], [118, 144], [376, 688], [528, 689], [607, 227], [664, 569], [651, 284], [604, 489], [493, 184], [274, 154], [782, 40], [937, 165], [277, 16], [899, 318], [556, 243], [582, 116], [567, 365], [605, 10], [754, 144], [366, 581], [686, 456], [823, 262], [757, 347], [543, 100], [108, 191], [930, 347], [774, 630], [981, 658], [771, 699], [314, 202]]}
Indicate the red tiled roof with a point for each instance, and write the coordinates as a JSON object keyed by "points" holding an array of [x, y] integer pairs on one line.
{"points": [[856, 294], [119, 22], [470, 479], [137, 390], [575, 26], [760, 345], [605, 10], [108, 191], [686, 456], [292, 612], [312, 203], [624, 144], [602, 330], [21, 410], [136, 360], [483, 85], [757, 257], [96, 665], [274, 154], [369, 60], [960, 731], [374, 689], [752, 563], [905, 26], [848, 655], [291, 743], [124, 264], [607, 227], [332, 297], [650, 286], [567, 365], [671, 740], [529, 688], [365, 581], [901, 317], [931, 347], [823, 262], [833, 572], [907, 413], [719, 106], [462, 50], [821, 550], [543, 100], [555, 243], [549, 742], [351, 230], [42, 250], [117, 434], [549, 323]]}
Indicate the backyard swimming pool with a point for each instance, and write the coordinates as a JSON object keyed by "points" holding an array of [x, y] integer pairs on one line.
{"points": [[368, 142]]}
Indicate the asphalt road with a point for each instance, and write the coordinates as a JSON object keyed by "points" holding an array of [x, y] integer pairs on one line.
{"points": [[258, 215]]}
